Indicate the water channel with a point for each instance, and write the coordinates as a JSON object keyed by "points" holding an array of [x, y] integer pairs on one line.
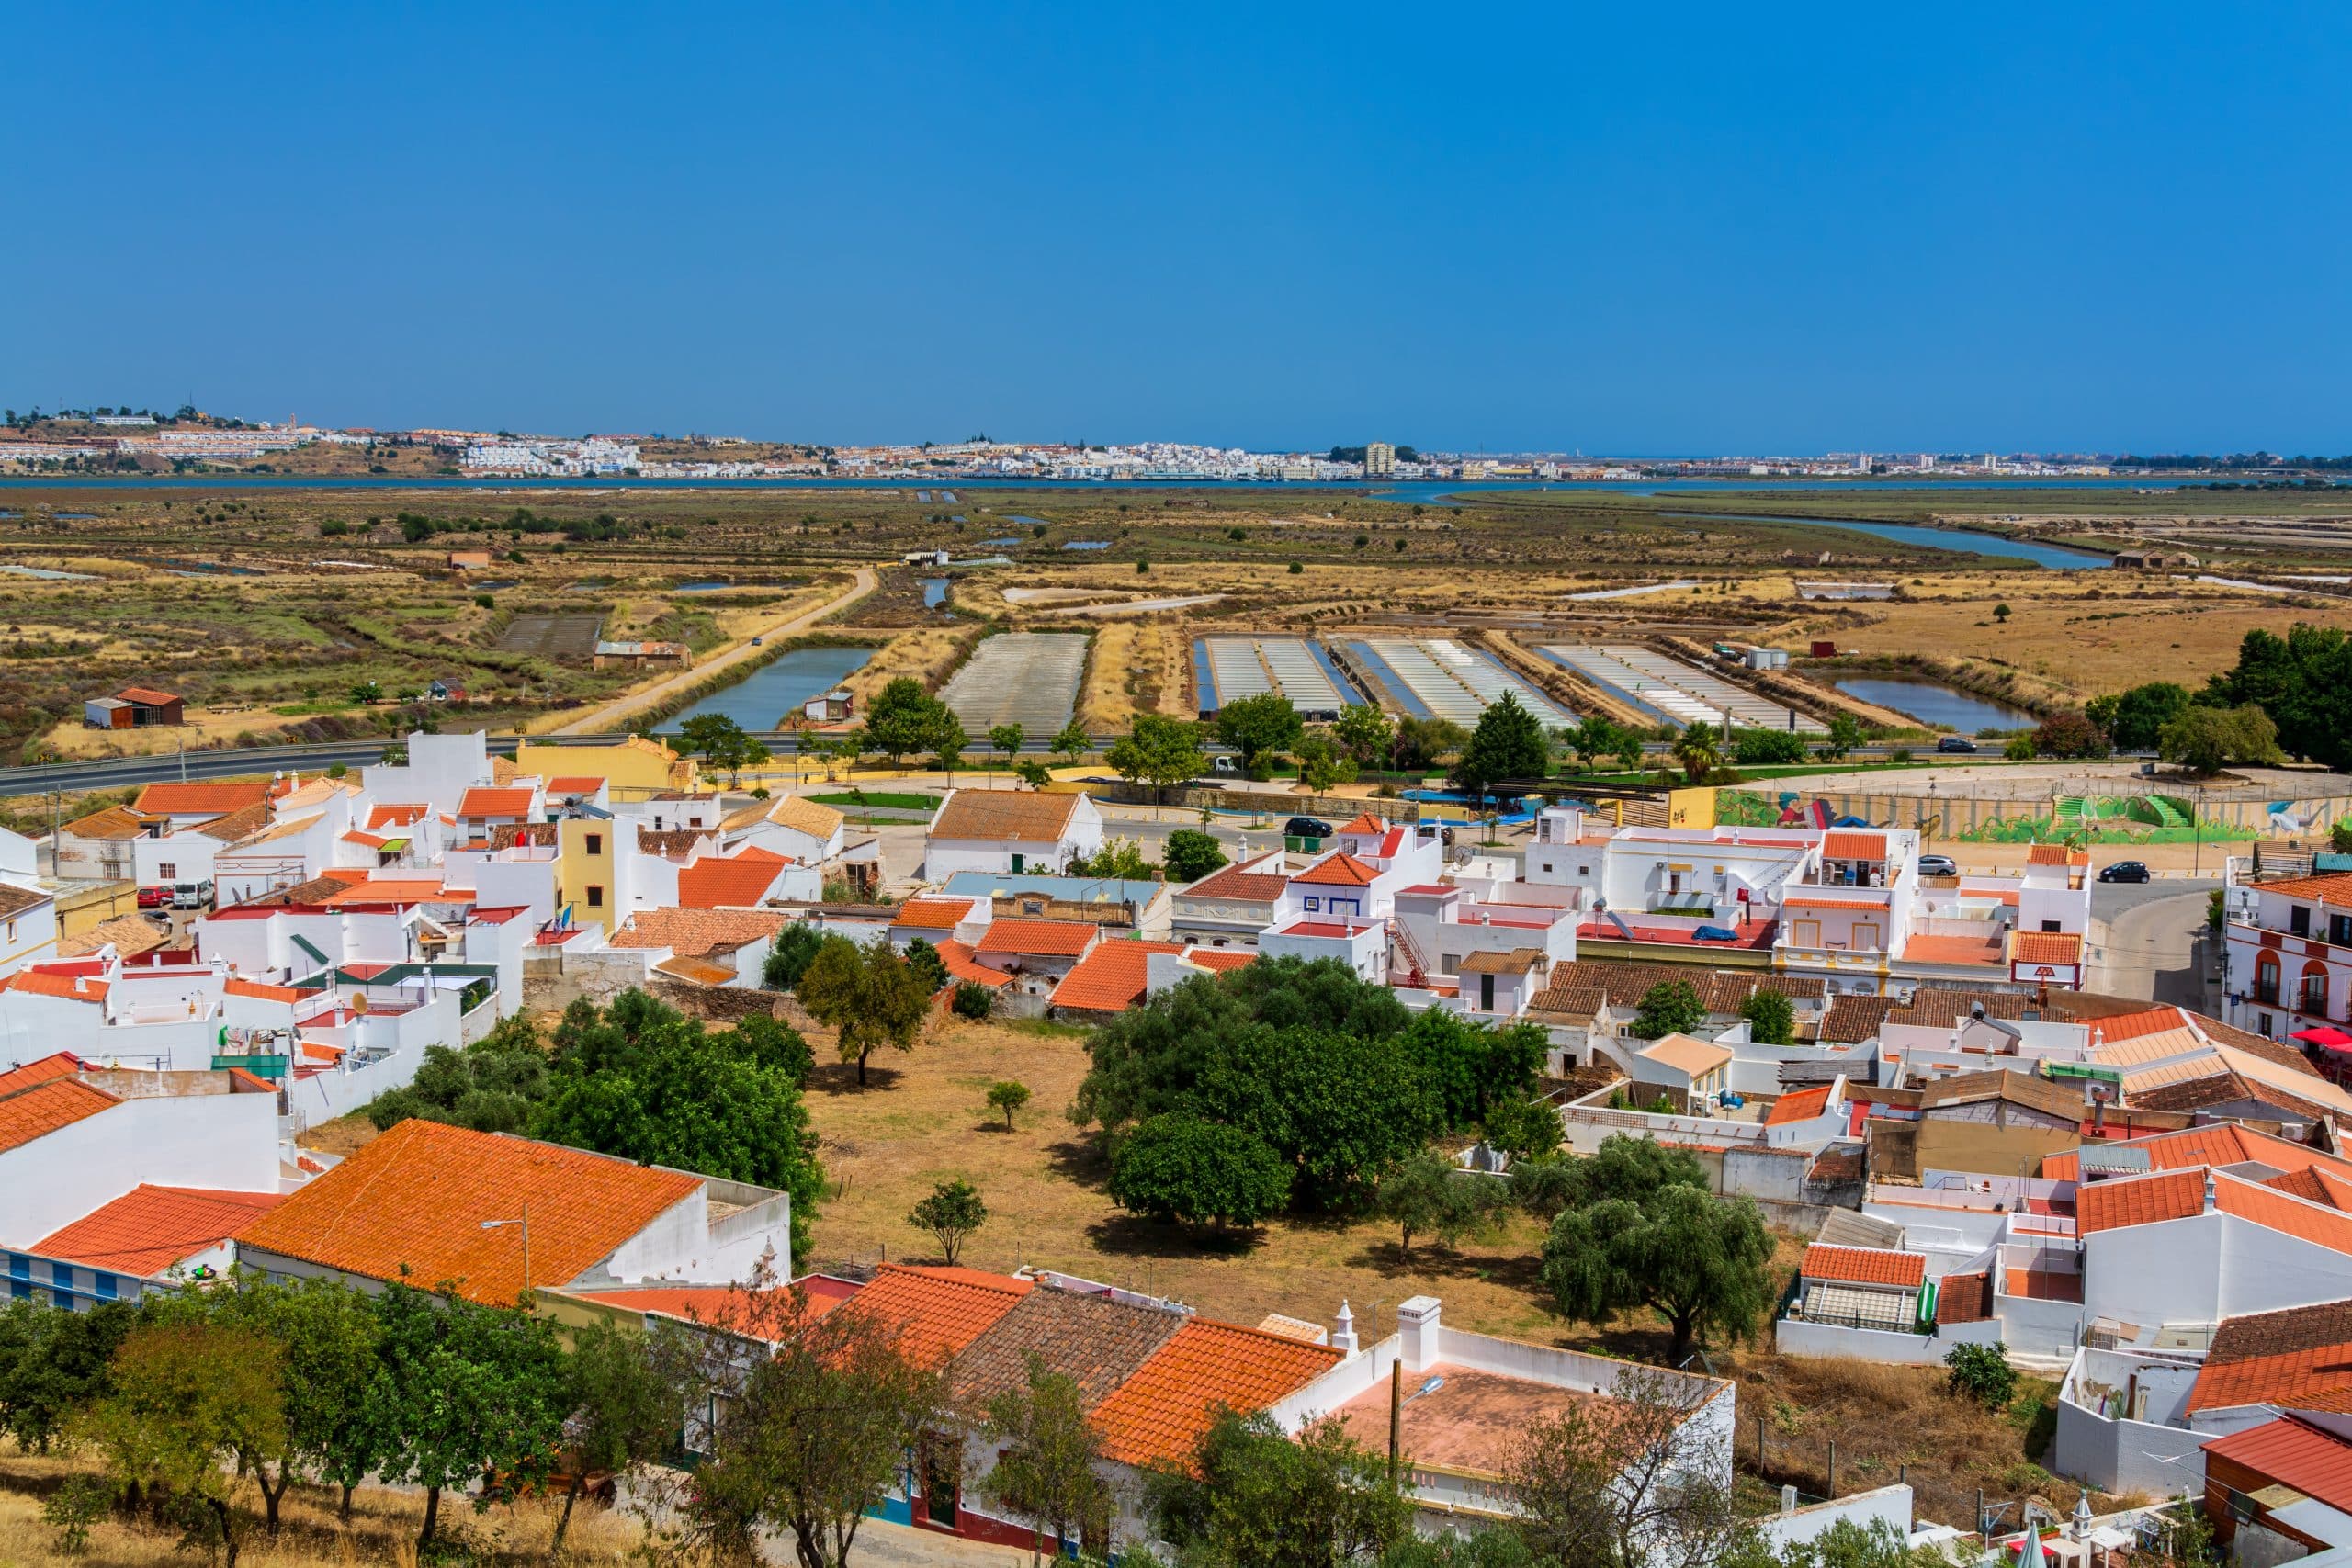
{"points": [[1936, 704], [762, 700]]}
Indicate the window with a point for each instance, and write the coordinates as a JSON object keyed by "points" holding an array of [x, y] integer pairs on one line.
{"points": [[1547, 865], [2265, 980], [2050, 925], [167, 871], [12, 932], [2339, 930], [1313, 905], [595, 896], [2299, 920], [595, 843], [2314, 991], [1866, 935]]}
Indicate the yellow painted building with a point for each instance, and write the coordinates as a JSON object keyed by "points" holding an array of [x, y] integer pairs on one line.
{"points": [[584, 869], [635, 767]]}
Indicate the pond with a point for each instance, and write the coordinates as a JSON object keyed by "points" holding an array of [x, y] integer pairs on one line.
{"points": [[2057, 557], [1936, 704], [711, 587], [1085, 544], [934, 592], [761, 701]]}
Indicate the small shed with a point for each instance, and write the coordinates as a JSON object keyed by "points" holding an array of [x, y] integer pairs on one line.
{"points": [[1685, 1070], [134, 707], [827, 707]]}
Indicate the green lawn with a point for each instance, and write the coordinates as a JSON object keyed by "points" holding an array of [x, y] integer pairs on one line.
{"points": [[880, 800]]}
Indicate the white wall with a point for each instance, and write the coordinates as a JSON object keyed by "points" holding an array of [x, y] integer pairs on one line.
{"points": [[226, 1141], [1891, 1504]]}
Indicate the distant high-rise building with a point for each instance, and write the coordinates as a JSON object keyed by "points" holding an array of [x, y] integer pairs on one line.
{"points": [[1379, 460]]}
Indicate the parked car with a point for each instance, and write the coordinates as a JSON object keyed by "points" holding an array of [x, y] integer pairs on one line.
{"points": [[1938, 865], [1306, 827], [2125, 871], [1224, 765], [192, 896], [1955, 743], [154, 897]]}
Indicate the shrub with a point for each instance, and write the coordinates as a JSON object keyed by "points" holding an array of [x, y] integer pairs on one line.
{"points": [[1006, 1096], [1981, 1373], [973, 1000]]}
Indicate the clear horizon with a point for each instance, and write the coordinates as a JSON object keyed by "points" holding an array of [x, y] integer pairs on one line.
{"points": [[1708, 232]]}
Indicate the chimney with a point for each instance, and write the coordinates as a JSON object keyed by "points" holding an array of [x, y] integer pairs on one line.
{"points": [[1343, 1332], [2211, 1203], [1418, 1333]]}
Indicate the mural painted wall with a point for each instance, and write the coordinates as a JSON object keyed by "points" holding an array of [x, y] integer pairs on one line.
{"points": [[2150, 818]]}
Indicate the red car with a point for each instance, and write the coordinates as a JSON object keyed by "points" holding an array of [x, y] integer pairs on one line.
{"points": [[154, 897]]}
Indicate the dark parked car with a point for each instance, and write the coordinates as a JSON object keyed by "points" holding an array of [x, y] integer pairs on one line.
{"points": [[2125, 871], [1938, 865], [1306, 827], [1955, 743]]}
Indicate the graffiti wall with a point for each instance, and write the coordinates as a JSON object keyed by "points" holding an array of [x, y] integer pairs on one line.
{"points": [[2150, 818]]}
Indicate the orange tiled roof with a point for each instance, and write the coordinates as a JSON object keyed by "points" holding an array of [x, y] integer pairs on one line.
{"points": [[2056, 854], [1338, 869], [200, 799], [691, 933], [803, 815], [37, 1111], [1367, 825], [392, 890], [418, 1196], [957, 957], [260, 992], [2046, 947], [741, 883], [150, 1228], [1802, 1106], [1951, 950], [382, 817], [1219, 958], [2332, 887], [2223, 1143], [932, 914], [1242, 883], [1160, 1414], [1863, 1265], [1819, 901], [1002, 816], [73, 988], [939, 1311], [1853, 846], [1111, 978], [2131, 1026], [2138, 1201], [485, 801], [723, 1306], [57, 1065], [1038, 939], [2316, 1379], [576, 783]]}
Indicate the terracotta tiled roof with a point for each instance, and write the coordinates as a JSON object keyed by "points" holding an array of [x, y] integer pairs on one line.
{"points": [[932, 914], [382, 817], [938, 1312], [481, 801], [1853, 846], [418, 1196], [392, 890], [2123, 1026], [1366, 825], [259, 992], [1338, 869], [1802, 1106], [1110, 978], [803, 815], [2046, 947], [1941, 1007], [1830, 901], [1038, 939], [34, 1112], [129, 934], [57, 1065], [957, 957], [576, 783], [148, 1229], [1686, 1053], [71, 988], [236, 824], [114, 822], [1864, 1266], [2310, 1460], [1486, 961], [1963, 1298], [724, 1306], [1241, 884], [201, 799], [1219, 958], [1005, 815], [1159, 1415], [691, 933], [2138, 1199], [2056, 854], [713, 883], [2316, 1185], [2334, 887], [2000, 1083], [1095, 1341], [2223, 1143], [146, 694], [539, 835], [1851, 1020], [699, 971], [2300, 1358]]}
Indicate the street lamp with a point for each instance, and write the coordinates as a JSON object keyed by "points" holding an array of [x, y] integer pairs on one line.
{"points": [[524, 1222]]}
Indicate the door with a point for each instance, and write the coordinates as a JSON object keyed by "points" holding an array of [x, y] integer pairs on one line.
{"points": [[1865, 936], [939, 1482], [1017, 863], [1808, 933], [1486, 993]]}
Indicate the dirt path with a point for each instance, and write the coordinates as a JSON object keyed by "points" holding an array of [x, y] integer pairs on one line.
{"points": [[608, 716]]}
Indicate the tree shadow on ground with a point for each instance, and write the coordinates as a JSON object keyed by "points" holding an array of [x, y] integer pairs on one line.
{"points": [[1133, 1236], [1080, 1159], [841, 1078], [1516, 1271]]}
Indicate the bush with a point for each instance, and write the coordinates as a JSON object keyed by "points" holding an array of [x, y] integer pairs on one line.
{"points": [[1981, 1373], [2020, 749], [973, 1000], [72, 1508], [1181, 1168], [1006, 1096], [1767, 748]]}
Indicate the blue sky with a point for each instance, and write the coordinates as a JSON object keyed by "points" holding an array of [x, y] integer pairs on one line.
{"points": [[1627, 229]]}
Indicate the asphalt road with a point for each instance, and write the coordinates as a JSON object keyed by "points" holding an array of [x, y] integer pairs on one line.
{"points": [[2145, 941]]}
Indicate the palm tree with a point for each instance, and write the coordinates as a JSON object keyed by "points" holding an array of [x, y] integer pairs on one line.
{"points": [[1696, 751]]}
